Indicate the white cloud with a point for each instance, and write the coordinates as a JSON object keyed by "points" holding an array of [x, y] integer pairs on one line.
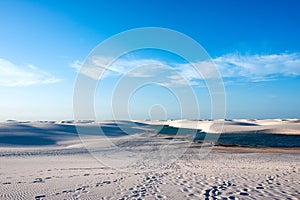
{"points": [[13, 75], [247, 67], [259, 67], [252, 68], [198, 70], [76, 65], [138, 68]]}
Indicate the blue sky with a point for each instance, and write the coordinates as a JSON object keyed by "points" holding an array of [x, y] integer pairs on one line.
{"points": [[255, 44]]}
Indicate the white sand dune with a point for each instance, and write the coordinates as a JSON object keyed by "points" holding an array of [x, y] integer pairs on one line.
{"points": [[274, 126], [49, 161]]}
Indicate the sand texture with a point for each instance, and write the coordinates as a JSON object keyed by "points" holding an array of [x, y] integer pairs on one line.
{"points": [[48, 161]]}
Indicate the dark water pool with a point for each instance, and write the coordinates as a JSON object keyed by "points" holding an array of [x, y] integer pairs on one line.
{"points": [[242, 139], [255, 139]]}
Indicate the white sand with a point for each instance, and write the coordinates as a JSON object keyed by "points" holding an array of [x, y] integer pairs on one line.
{"points": [[65, 170], [274, 126]]}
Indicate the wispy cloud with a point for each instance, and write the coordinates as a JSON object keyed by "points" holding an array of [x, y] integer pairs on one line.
{"points": [[259, 67], [76, 65], [13, 75], [250, 68], [139, 68]]}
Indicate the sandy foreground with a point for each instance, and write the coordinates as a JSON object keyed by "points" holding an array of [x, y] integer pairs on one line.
{"points": [[49, 161]]}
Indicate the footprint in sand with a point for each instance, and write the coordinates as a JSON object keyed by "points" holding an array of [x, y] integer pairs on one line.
{"points": [[38, 180], [40, 197]]}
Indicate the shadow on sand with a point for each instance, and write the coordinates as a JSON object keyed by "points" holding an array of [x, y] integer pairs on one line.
{"points": [[43, 134]]}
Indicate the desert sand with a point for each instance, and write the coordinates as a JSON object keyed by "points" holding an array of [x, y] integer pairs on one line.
{"points": [[48, 160], [274, 126]]}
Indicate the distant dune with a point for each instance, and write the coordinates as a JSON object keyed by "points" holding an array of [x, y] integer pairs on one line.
{"points": [[274, 126]]}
